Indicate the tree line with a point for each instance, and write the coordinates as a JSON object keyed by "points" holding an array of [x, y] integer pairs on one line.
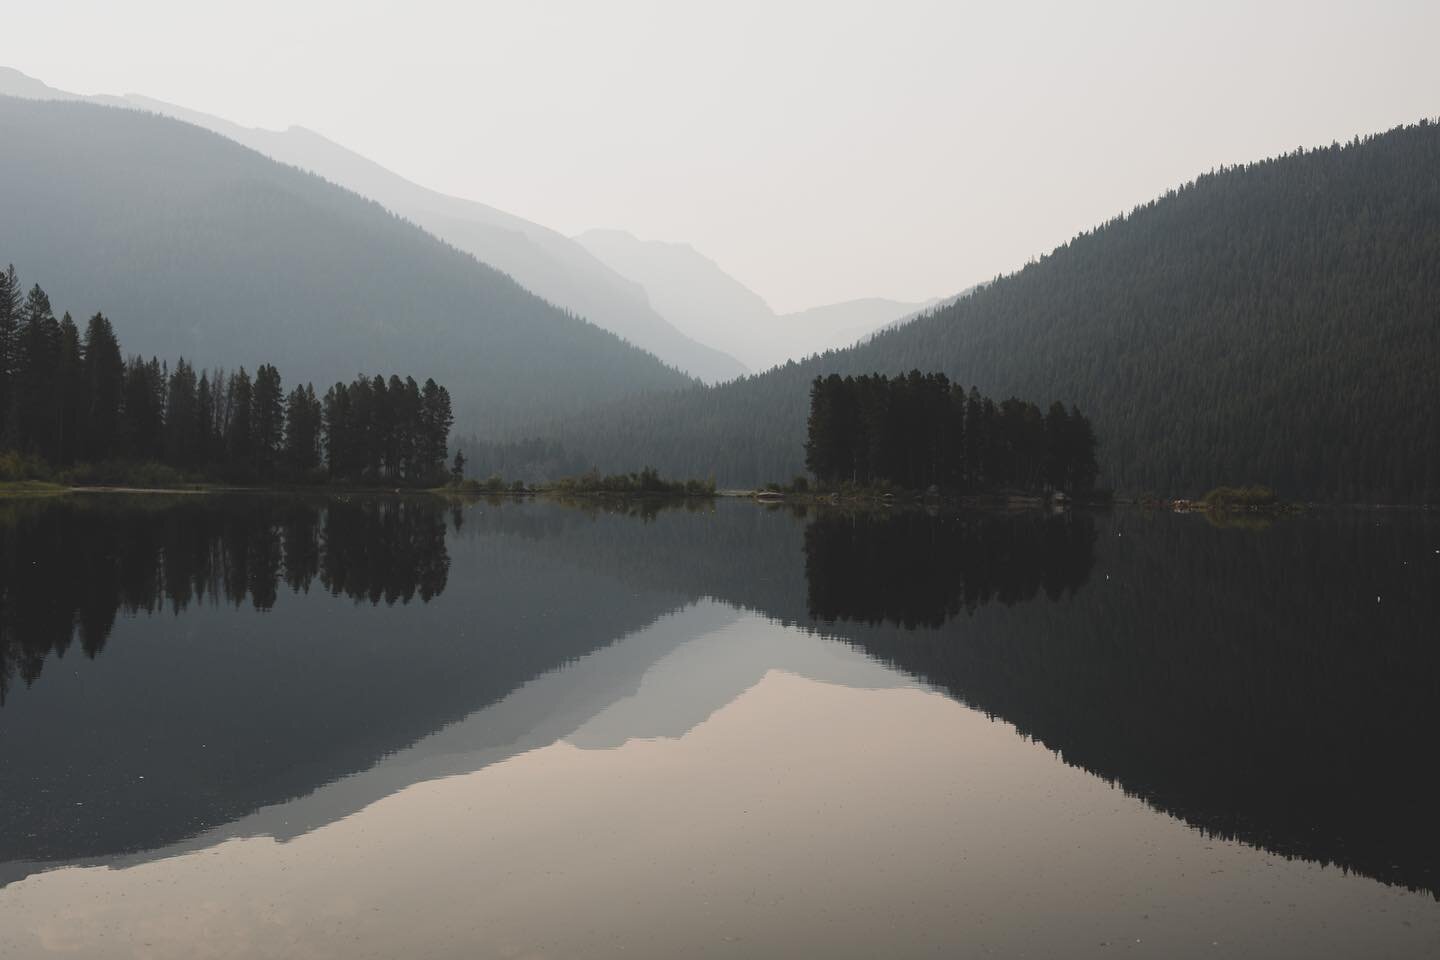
{"points": [[72, 401], [919, 430]]}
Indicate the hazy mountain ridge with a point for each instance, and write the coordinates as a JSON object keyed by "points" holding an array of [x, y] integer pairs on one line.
{"points": [[843, 324], [542, 260], [197, 246], [696, 294], [1230, 331]]}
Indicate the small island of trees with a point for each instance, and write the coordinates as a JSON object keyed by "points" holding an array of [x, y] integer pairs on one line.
{"points": [[72, 408], [919, 430]]}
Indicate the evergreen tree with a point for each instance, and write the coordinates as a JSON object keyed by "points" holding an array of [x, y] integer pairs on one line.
{"points": [[103, 371], [267, 420], [402, 415], [303, 427], [340, 439], [182, 417], [435, 422], [372, 410], [1081, 465], [9, 348], [829, 448], [223, 401], [38, 363], [70, 394], [204, 421], [143, 409], [239, 433]]}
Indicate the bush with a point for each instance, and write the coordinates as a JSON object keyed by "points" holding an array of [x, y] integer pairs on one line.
{"points": [[18, 466], [124, 473], [647, 481], [1240, 498]]}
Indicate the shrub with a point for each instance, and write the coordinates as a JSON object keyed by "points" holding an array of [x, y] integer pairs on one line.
{"points": [[1238, 498], [18, 466]]}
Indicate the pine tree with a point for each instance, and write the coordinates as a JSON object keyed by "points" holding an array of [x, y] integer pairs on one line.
{"points": [[182, 420], [239, 434], [35, 376], [339, 432], [70, 394], [1057, 468], [204, 421], [831, 431], [142, 413], [435, 422], [302, 431], [9, 347], [374, 416], [267, 420], [103, 371]]}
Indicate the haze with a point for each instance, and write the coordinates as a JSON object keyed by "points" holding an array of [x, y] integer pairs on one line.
{"points": [[817, 151]]}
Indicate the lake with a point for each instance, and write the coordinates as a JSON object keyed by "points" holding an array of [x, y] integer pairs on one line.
{"points": [[269, 726]]}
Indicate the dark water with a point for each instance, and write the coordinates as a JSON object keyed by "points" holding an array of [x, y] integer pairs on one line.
{"points": [[391, 726]]}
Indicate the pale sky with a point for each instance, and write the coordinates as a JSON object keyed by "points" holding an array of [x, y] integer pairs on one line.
{"points": [[817, 151]]}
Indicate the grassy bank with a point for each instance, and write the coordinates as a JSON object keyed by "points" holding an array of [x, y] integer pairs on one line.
{"points": [[32, 488]]}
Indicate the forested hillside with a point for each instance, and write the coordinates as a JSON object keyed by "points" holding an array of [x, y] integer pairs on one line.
{"points": [[198, 247], [1277, 322]]}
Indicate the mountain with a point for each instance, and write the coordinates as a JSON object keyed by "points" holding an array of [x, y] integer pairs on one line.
{"points": [[196, 246], [697, 296], [839, 325], [1274, 322], [543, 261]]}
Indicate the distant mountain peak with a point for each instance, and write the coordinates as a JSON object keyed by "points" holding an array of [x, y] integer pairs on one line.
{"points": [[697, 295], [14, 83]]}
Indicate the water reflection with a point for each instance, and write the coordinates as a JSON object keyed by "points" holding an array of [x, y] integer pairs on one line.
{"points": [[801, 819], [1247, 682], [1280, 687], [68, 566], [219, 691], [914, 569]]}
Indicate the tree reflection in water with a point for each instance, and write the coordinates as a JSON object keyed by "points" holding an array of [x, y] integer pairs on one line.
{"points": [[68, 567]]}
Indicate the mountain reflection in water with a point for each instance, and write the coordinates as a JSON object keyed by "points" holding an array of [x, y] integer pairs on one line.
{"points": [[1276, 686], [1281, 687]]}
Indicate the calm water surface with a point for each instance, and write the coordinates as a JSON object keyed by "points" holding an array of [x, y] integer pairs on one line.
{"points": [[260, 726]]}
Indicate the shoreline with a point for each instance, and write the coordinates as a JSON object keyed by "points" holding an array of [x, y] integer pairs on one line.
{"points": [[22, 489]]}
